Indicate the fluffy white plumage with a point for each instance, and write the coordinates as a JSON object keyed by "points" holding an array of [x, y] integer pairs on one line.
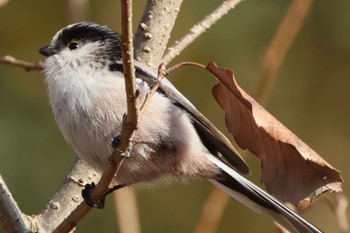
{"points": [[90, 120]]}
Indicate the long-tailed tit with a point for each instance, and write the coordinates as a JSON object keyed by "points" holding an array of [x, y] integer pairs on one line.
{"points": [[86, 90]]}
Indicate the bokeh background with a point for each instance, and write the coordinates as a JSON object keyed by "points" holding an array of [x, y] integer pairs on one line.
{"points": [[311, 97]]}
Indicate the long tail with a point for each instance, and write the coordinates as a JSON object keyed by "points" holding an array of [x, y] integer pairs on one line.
{"points": [[260, 201]]}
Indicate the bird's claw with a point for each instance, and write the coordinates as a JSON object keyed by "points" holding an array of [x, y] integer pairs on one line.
{"points": [[86, 194]]}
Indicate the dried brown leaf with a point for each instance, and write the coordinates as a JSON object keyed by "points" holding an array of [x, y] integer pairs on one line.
{"points": [[290, 169]]}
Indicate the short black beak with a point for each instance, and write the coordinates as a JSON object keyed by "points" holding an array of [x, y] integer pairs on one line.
{"points": [[47, 51]]}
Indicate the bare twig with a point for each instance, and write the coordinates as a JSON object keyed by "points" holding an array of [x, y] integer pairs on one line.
{"points": [[281, 43], [11, 217], [129, 71], [154, 88], [162, 71], [181, 64], [154, 30], [199, 29], [27, 66], [127, 203]]}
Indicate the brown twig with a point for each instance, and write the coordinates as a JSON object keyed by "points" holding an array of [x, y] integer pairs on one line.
{"points": [[199, 29], [128, 129], [162, 71], [129, 72], [27, 66], [154, 88], [126, 199], [181, 64], [125, 203]]}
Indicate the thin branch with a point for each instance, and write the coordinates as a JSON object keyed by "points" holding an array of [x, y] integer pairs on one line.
{"points": [[27, 66], [154, 88], [129, 72], [11, 217], [127, 203], [181, 64], [154, 30], [199, 29]]}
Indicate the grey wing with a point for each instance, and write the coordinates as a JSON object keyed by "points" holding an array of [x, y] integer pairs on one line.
{"points": [[211, 137]]}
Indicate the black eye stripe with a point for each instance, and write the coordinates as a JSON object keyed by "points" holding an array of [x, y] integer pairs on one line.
{"points": [[77, 35]]}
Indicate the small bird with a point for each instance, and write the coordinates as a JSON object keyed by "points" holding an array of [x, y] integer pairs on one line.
{"points": [[84, 76]]}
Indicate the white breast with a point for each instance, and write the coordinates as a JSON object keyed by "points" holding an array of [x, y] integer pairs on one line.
{"points": [[89, 108]]}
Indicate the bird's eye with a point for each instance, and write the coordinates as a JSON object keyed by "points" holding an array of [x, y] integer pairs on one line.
{"points": [[73, 45]]}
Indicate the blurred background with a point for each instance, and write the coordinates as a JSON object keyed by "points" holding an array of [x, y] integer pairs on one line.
{"points": [[310, 97]]}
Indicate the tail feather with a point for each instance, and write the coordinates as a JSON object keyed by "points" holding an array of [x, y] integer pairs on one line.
{"points": [[260, 201]]}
